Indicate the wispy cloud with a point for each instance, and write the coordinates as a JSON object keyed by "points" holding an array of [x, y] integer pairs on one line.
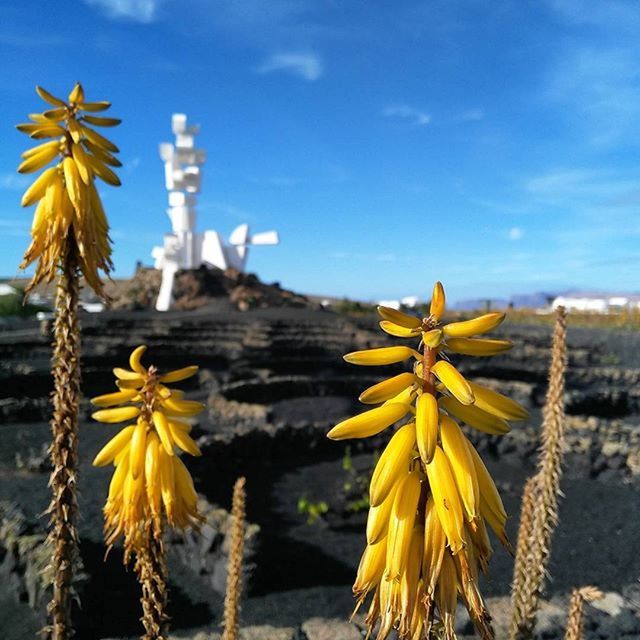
{"points": [[406, 112], [472, 115], [515, 233], [305, 65], [137, 10], [13, 182]]}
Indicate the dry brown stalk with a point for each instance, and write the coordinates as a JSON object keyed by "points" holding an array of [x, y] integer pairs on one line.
{"points": [[576, 605], [151, 568], [63, 535], [234, 570], [545, 512], [518, 594]]}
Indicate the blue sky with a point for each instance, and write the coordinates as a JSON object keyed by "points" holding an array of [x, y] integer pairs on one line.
{"points": [[489, 144]]}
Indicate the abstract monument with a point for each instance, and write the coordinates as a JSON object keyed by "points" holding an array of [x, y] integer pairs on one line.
{"points": [[184, 247]]}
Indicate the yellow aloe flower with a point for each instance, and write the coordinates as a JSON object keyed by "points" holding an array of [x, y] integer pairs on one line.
{"points": [[150, 483], [431, 495], [66, 197]]}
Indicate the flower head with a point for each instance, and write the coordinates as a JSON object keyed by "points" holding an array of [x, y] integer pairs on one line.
{"points": [[150, 483], [67, 200], [431, 496]]}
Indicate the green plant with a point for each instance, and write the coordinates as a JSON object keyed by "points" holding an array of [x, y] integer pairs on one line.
{"points": [[313, 510]]}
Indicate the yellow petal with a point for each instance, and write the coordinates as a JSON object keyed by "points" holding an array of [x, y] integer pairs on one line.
{"points": [[393, 463], [383, 355], [134, 360], [52, 144], [182, 426], [179, 374], [75, 187], [478, 346], [110, 399], [184, 484], [102, 122], [410, 593], [184, 441], [50, 98], [152, 474], [80, 158], [107, 454], [162, 427], [469, 328], [434, 547], [124, 374], [488, 491], [447, 595], [446, 499], [138, 448], [119, 414], [37, 190], [371, 568], [95, 106], [95, 138], [399, 318], [454, 445], [427, 419], [432, 338], [119, 476], [167, 482], [77, 93], [403, 515], [369, 423], [474, 417], [397, 331], [438, 301], [378, 519], [38, 160], [182, 407], [387, 389], [454, 381], [497, 404]]}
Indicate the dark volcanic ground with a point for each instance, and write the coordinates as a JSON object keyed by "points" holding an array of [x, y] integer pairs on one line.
{"points": [[274, 382]]}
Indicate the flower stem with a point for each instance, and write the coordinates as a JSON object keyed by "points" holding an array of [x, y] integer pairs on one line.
{"points": [[63, 535]]}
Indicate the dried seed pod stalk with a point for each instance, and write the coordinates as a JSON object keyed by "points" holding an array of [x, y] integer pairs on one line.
{"points": [[431, 496], [234, 569], [547, 489], [69, 236], [151, 487], [576, 604]]}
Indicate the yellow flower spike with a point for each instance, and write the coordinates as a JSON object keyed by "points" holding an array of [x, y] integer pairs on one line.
{"points": [[403, 515], [432, 338], [496, 404], [399, 318], [179, 374], [438, 301], [475, 417], [427, 419], [134, 360], [107, 454], [164, 433], [446, 499], [110, 399], [477, 346], [454, 445], [119, 414], [138, 448], [183, 440], [378, 519], [454, 381], [387, 389], [383, 355], [393, 462], [370, 422], [479, 325], [488, 491], [397, 331]]}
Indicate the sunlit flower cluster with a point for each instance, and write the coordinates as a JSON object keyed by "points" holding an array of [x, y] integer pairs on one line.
{"points": [[150, 482], [68, 204], [431, 496]]}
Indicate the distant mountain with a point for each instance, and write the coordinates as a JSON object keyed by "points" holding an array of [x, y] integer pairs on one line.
{"points": [[529, 301]]}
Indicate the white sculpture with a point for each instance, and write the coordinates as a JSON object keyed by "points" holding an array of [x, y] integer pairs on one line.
{"points": [[185, 248]]}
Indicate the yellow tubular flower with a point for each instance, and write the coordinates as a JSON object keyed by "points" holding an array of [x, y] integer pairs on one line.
{"points": [[431, 496], [150, 483], [68, 204]]}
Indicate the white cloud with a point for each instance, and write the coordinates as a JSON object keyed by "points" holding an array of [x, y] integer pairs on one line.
{"points": [[307, 66], [137, 10], [13, 182], [515, 234], [404, 111], [473, 115]]}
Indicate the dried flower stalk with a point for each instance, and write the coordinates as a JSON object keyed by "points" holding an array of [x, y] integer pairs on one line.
{"points": [[234, 570], [576, 606]]}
